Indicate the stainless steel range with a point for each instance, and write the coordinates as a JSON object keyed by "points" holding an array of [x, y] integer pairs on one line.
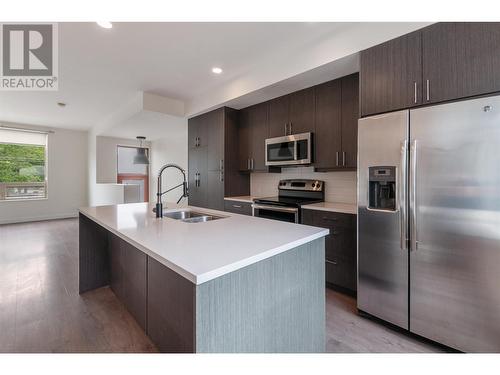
{"points": [[292, 194]]}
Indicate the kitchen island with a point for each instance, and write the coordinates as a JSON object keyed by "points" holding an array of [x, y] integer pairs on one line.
{"points": [[235, 284]]}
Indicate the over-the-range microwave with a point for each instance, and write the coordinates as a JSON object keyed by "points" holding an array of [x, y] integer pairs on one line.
{"points": [[289, 150]]}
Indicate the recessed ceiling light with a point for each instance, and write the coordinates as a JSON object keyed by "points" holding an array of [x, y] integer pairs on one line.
{"points": [[61, 104], [216, 70], [105, 24]]}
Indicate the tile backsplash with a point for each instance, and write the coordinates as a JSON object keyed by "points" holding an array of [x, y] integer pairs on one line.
{"points": [[339, 186]]}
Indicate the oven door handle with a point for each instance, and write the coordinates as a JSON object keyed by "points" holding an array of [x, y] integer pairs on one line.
{"points": [[275, 208]]}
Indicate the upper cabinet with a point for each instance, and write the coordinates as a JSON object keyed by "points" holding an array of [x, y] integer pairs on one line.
{"points": [[350, 116], [336, 134], [391, 75], [253, 131], [302, 111], [197, 133], [460, 59], [278, 116], [292, 114], [444, 61], [328, 135], [329, 110]]}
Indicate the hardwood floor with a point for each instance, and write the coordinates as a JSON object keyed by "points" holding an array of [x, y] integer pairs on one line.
{"points": [[41, 310], [348, 332]]}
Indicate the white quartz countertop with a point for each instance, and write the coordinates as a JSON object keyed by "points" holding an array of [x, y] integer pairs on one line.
{"points": [[345, 208], [202, 251], [243, 198]]}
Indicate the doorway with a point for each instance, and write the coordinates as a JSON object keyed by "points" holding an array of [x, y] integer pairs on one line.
{"points": [[129, 173]]}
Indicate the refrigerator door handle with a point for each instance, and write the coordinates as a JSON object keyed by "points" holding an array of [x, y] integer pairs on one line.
{"points": [[413, 196], [402, 197]]}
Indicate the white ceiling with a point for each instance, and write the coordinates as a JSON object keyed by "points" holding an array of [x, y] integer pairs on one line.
{"points": [[152, 125], [100, 70]]}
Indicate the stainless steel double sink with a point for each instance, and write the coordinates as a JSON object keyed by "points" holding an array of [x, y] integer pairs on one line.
{"points": [[189, 216]]}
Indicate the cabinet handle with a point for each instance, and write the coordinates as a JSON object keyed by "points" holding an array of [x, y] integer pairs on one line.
{"points": [[236, 206], [221, 176], [286, 128], [221, 164], [343, 158], [291, 131], [337, 158], [334, 262], [427, 83], [330, 218], [415, 92], [251, 164], [199, 182]]}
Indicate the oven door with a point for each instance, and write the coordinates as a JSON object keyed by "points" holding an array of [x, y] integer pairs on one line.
{"points": [[289, 150], [288, 214]]}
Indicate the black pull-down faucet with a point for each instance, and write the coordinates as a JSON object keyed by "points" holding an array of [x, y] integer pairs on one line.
{"points": [[159, 193]]}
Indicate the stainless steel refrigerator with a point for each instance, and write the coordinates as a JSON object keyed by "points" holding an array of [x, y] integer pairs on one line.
{"points": [[429, 221]]}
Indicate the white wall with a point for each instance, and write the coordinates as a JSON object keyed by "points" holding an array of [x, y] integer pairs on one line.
{"points": [[173, 149], [67, 180], [340, 187]]}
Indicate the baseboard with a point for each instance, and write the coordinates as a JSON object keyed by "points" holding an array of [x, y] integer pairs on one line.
{"points": [[39, 218]]}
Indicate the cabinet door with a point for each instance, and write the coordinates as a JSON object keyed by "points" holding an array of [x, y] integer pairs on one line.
{"points": [[391, 75], [328, 136], [214, 190], [193, 125], [116, 265], [307, 217], [237, 207], [214, 122], [198, 177], [134, 282], [171, 308], [244, 140], [460, 59], [278, 116], [259, 130], [350, 114], [302, 111], [340, 247], [197, 131]]}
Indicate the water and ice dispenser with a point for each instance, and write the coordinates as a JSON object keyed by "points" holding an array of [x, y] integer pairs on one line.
{"points": [[382, 188]]}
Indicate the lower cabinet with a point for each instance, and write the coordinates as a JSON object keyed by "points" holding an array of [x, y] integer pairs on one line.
{"points": [[237, 207], [143, 285], [340, 246], [171, 308], [128, 277]]}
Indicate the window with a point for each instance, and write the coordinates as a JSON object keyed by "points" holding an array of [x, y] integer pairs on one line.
{"points": [[23, 164]]}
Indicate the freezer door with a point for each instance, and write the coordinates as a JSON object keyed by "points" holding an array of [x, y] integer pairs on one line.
{"points": [[382, 225], [455, 246]]}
